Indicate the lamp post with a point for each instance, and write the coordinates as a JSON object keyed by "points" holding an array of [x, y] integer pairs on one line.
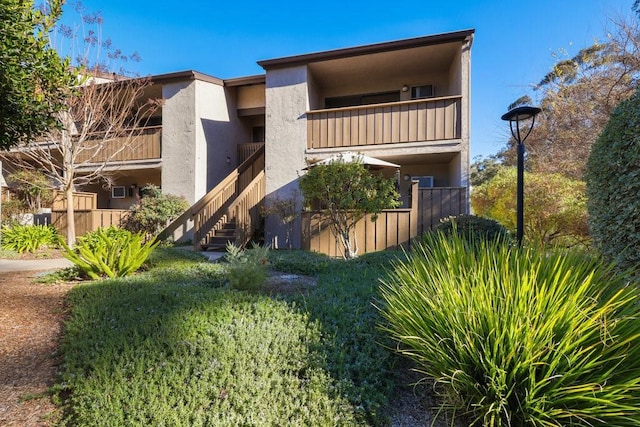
{"points": [[517, 115]]}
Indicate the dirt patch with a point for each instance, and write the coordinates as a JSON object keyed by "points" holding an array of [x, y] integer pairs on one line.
{"points": [[287, 283], [31, 317]]}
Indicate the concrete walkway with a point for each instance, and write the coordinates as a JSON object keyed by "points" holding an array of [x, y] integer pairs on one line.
{"points": [[9, 265]]}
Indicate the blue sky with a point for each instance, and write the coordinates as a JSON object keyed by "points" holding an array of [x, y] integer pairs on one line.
{"points": [[513, 46]]}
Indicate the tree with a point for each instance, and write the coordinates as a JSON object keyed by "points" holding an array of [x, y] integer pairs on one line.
{"points": [[33, 78], [483, 169], [346, 192], [577, 98], [554, 206], [32, 187], [613, 185], [103, 116]]}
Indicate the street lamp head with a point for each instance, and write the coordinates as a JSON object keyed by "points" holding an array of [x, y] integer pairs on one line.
{"points": [[521, 113], [518, 115]]}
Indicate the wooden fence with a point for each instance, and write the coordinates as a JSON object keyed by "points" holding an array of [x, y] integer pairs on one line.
{"points": [[393, 230], [87, 221], [87, 217], [440, 202]]}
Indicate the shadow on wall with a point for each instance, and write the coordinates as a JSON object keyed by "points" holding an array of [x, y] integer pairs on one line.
{"points": [[283, 208], [220, 144]]}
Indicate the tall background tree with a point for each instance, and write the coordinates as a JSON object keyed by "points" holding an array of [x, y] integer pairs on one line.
{"points": [[577, 97], [33, 78]]}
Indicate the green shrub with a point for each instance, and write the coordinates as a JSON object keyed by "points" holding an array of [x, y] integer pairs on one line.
{"points": [[247, 268], [154, 210], [613, 185], [12, 208], [473, 228], [540, 338], [109, 253], [29, 238]]}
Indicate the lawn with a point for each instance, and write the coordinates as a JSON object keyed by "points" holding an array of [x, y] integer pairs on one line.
{"points": [[176, 346]]}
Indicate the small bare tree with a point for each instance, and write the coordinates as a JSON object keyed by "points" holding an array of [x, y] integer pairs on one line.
{"points": [[102, 124], [104, 117]]}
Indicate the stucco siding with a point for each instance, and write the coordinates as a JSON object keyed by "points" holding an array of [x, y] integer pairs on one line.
{"points": [[286, 133], [179, 151]]}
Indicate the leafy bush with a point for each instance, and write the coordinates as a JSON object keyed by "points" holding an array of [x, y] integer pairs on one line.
{"points": [[613, 185], [346, 191], [109, 252], [12, 208], [246, 268], [29, 238], [154, 210], [473, 228], [555, 207], [535, 337]]}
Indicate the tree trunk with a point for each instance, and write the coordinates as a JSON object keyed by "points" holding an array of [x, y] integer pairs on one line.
{"points": [[71, 219]]}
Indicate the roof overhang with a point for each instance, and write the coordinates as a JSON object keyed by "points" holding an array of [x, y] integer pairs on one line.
{"points": [[290, 61]]}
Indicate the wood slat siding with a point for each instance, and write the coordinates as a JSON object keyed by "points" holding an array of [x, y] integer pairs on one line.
{"points": [[87, 221], [440, 202], [144, 144], [392, 230], [391, 123]]}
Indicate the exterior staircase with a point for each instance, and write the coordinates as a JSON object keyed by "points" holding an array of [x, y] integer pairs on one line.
{"points": [[230, 212]]}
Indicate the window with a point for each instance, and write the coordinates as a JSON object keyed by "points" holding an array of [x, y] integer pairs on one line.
{"points": [[423, 181], [362, 99], [424, 91], [118, 192], [258, 134]]}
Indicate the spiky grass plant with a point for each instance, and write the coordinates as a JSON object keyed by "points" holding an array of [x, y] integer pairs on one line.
{"points": [[29, 238], [519, 337]]}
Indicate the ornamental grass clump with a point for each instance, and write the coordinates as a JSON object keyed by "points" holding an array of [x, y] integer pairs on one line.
{"points": [[29, 238], [519, 337], [109, 252]]}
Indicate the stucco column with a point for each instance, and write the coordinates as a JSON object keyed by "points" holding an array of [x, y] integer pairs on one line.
{"points": [[287, 101]]}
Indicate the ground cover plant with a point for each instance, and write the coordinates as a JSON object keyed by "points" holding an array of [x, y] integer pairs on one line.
{"points": [[29, 238], [519, 337], [176, 345]]}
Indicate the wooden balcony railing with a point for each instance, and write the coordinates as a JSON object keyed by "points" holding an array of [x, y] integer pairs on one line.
{"points": [[140, 144], [431, 119]]}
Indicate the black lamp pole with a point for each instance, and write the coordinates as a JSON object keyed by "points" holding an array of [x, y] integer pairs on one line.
{"points": [[517, 115]]}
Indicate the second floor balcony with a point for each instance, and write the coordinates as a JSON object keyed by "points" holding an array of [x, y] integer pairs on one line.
{"points": [[139, 144], [421, 120]]}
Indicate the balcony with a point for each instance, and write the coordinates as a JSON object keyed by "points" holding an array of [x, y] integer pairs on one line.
{"points": [[141, 144], [422, 120]]}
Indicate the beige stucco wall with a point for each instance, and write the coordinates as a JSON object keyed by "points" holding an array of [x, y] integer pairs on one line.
{"points": [[179, 150], [286, 133]]}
